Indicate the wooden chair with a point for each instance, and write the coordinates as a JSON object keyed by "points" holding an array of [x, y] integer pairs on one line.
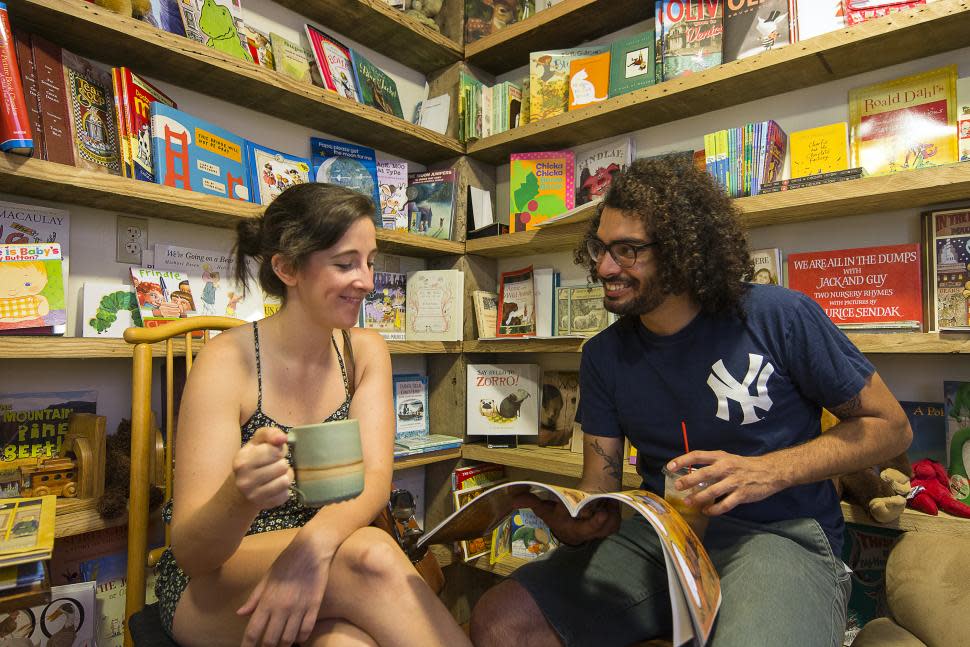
{"points": [[146, 626]]}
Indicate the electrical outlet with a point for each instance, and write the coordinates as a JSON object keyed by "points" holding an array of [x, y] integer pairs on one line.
{"points": [[132, 239]]}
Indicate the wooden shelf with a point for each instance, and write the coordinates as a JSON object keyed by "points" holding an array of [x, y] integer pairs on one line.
{"points": [[943, 523], [914, 343], [901, 37], [388, 31], [111, 38], [555, 238], [541, 459], [566, 24], [525, 345], [404, 243], [42, 347]]}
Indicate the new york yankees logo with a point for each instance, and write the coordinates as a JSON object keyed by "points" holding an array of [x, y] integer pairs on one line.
{"points": [[726, 388]]}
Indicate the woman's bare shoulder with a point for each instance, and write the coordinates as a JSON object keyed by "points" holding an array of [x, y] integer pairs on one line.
{"points": [[231, 349]]}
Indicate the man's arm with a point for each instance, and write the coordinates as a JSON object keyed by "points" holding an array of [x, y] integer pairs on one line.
{"points": [[602, 464], [873, 428]]}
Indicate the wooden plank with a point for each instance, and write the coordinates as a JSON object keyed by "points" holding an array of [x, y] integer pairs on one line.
{"points": [[541, 459], [78, 516], [929, 343], [525, 345], [388, 31], [407, 462], [111, 38], [566, 24], [404, 243], [901, 37], [943, 523]]}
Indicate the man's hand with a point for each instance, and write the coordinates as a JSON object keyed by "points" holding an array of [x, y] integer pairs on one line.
{"points": [[595, 521], [730, 479]]}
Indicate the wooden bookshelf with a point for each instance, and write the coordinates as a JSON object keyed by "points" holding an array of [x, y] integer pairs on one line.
{"points": [[388, 31], [943, 523], [43, 347], [901, 37], [404, 243], [566, 24], [525, 345], [406, 462], [111, 38], [540, 459], [555, 238], [929, 343]]}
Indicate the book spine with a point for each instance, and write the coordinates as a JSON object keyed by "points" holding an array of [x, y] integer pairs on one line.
{"points": [[802, 185], [851, 173], [28, 79], [15, 132], [50, 82]]}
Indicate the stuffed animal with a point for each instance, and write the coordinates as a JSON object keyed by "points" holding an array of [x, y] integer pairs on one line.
{"points": [[117, 470], [933, 490], [134, 8], [881, 489], [424, 11]]}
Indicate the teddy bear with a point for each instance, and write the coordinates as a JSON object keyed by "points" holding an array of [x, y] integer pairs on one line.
{"points": [[881, 489], [424, 11], [117, 470], [134, 8], [932, 493]]}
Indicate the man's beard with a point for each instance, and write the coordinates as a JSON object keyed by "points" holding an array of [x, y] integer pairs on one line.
{"points": [[646, 300]]}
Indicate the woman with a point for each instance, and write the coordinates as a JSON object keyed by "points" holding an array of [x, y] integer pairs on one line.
{"points": [[248, 564]]}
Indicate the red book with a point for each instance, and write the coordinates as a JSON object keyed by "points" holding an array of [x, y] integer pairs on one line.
{"points": [[867, 287], [28, 79], [516, 304], [54, 111], [15, 132], [133, 100]]}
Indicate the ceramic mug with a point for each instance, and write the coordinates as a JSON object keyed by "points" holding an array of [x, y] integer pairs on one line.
{"points": [[327, 461]]}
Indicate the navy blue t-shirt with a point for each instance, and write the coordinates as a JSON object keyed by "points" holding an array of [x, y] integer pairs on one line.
{"points": [[746, 387]]}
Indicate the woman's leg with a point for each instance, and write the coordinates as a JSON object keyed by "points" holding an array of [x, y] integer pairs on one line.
{"points": [[338, 633], [371, 585]]}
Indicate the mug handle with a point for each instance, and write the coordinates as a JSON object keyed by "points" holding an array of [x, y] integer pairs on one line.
{"points": [[291, 441]]}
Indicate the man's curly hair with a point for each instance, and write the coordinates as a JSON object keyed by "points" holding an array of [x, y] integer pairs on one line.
{"points": [[701, 247]]}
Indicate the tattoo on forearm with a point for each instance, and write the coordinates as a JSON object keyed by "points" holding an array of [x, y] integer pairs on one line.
{"points": [[848, 409], [614, 464]]}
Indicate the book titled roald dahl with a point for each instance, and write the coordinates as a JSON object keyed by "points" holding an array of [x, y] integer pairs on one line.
{"points": [[503, 399]]}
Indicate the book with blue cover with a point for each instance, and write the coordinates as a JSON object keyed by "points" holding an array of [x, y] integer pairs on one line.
{"points": [[410, 407], [349, 165], [271, 172], [193, 154]]}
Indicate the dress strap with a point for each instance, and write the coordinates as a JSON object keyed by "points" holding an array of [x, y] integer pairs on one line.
{"points": [[259, 372], [343, 369]]}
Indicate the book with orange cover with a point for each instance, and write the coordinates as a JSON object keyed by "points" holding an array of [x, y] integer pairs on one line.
{"points": [[589, 80], [905, 123]]}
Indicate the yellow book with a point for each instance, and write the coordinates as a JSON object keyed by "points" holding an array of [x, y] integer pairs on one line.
{"points": [[27, 527], [819, 150], [907, 123]]}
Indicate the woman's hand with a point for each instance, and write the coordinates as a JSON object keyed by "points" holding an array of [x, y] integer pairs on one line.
{"points": [[262, 474], [284, 605]]}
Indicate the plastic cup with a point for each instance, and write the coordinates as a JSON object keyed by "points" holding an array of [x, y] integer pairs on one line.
{"points": [[696, 519]]}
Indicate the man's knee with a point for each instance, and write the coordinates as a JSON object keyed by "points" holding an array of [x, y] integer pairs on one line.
{"points": [[507, 614]]}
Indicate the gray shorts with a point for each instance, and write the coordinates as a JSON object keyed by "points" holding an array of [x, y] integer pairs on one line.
{"points": [[780, 583]]}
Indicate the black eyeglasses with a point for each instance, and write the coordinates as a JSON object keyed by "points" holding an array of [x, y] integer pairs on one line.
{"points": [[625, 254]]}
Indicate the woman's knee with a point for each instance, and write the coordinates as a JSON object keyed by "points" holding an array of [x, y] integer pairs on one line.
{"points": [[371, 552]]}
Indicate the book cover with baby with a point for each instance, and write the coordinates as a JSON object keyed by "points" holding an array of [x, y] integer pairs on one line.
{"points": [[32, 289]]}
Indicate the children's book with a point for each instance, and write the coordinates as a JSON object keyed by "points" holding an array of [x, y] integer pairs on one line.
{"points": [[549, 79], [946, 249], [217, 24], [865, 551], [392, 181], [212, 286], [260, 47], [956, 406], [486, 313], [523, 535], [541, 186], [468, 476], [753, 28], [349, 165], [596, 167], [290, 58], [858, 11], [812, 18], [433, 113], [24, 224], [271, 172], [691, 33], [906, 123], [108, 309], [91, 108], [516, 304], [435, 300], [165, 14], [695, 588], [411, 407], [484, 17], [472, 547], [192, 154], [333, 62], [385, 307], [589, 80], [33, 425], [163, 296], [425, 444], [631, 63], [580, 311], [503, 399], [867, 287], [69, 619], [133, 98], [928, 422], [560, 399], [375, 87], [34, 289], [767, 266], [432, 207], [819, 150], [26, 529]]}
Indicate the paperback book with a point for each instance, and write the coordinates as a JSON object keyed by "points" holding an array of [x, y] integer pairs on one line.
{"points": [[271, 172], [432, 205], [349, 165], [425, 444], [503, 399], [695, 588], [26, 529], [411, 407], [385, 308], [541, 185]]}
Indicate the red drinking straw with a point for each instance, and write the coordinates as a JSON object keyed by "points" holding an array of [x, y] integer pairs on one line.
{"points": [[683, 428]]}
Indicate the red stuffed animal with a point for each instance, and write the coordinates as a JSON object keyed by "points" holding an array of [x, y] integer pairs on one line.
{"points": [[934, 494]]}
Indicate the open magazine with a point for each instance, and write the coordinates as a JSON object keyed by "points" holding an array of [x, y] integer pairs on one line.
{"points": [[695, 588]]}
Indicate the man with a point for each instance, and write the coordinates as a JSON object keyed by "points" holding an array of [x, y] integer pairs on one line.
{"points": [[746, 368]]}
